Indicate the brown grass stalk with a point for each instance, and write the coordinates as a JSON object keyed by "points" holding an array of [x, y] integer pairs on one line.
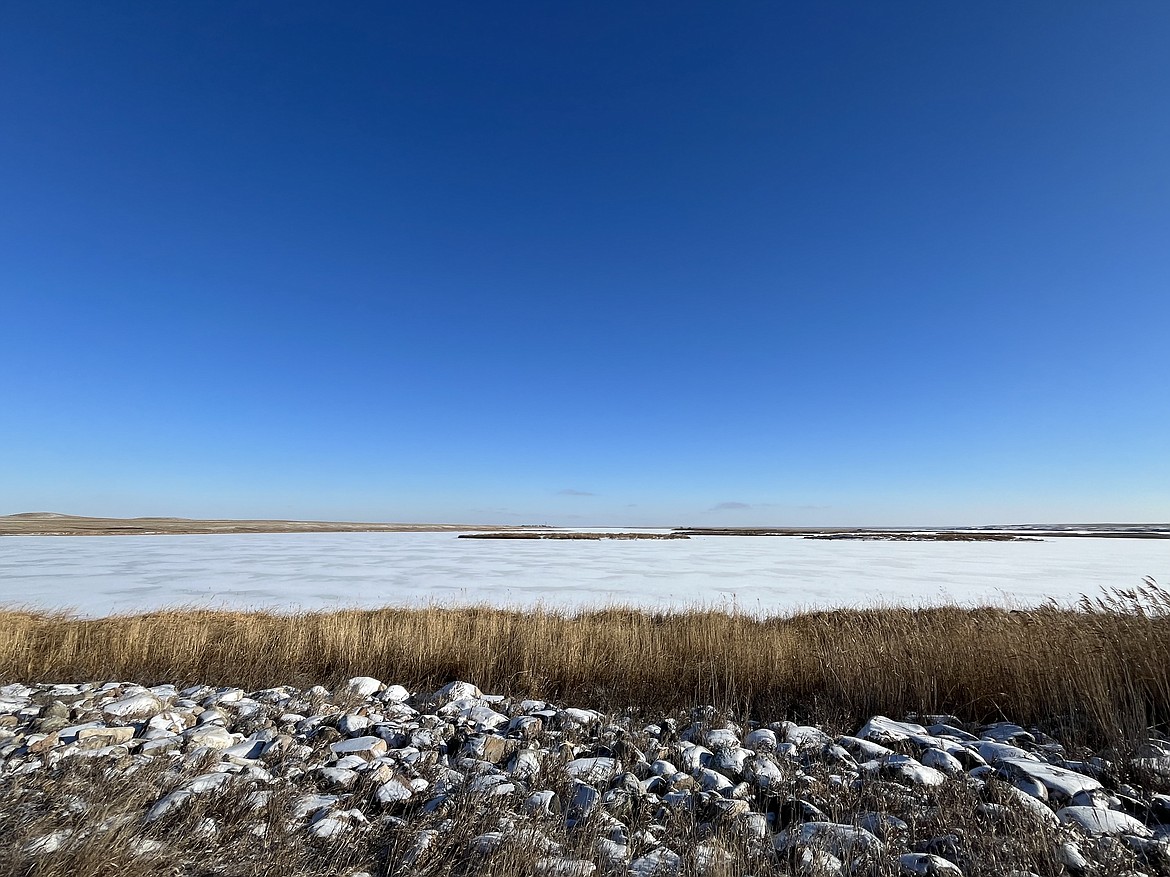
{"points": [[1101, 669]]}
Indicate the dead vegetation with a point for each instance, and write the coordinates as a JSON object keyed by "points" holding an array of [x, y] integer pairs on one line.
{"points": [[1100, 671], [53, 524]]}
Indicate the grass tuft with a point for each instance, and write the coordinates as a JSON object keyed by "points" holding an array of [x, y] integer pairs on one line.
{"points": [[1100, 669]]}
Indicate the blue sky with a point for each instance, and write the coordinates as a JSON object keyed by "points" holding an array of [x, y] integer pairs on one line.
{"points": [[587, 263]]}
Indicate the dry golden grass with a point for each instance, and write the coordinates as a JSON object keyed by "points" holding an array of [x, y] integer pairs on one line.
{"points": [[1101, 670]]}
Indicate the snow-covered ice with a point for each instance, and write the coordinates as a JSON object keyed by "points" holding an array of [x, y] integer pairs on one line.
{"points": [[97, 575]]}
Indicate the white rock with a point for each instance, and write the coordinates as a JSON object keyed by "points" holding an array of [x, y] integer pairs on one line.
{"points": [[818, 863], [307, 805], [211, 717], [329, 828], [1058, 780], [48, 843], [422, 847], [486, 718], [161, 745], [224, 696], [591, 770], [712, 781], [711, 859], [526, 726], [611, 852], [368, 748], [168, 803], [880, 729], [491, 842], [912, 771], [1038, 809], [583, 799], [457, 690], [211, 736], [864, 750], [555, 866], [395, 694], [493, 785], [942, 761], [142, 846], [995, 753], [1070, 855], [337, 777], [136, 706], [807, 737], [364, 686], [761, 740], [843, 841], [69, 735], [252, 748], [927, 865], [351, 725], [542, 804], [577, 718], [719, 737], [1004, 732], [764, 773], [207, 782], [1095, 821], [525, 764], [663, 768], [394, 791], [695, 757], [661, 862]]}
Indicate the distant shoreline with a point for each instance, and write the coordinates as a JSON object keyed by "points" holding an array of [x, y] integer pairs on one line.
{"points": [[52, 524], [44, 524]]}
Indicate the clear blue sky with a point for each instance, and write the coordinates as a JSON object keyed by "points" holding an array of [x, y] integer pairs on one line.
{"points": [[598, 263]]}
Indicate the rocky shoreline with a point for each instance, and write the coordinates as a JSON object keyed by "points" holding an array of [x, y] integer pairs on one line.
{"points": [[374, 779]]}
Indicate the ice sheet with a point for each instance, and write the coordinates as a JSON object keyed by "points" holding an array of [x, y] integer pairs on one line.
{"points": [[98, 575]]}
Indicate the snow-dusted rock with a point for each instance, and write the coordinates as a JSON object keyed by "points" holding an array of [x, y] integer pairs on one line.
{"points": [[395, 790], [133, 707], [842, 841], [364, 686], [941, 761], [1096, 821], [210, 736], [368, 748], [880, 729], [457, 690], [591, 770], [661, 862], [556, 866], [927, 865], [1057, 780], [761, 740]]}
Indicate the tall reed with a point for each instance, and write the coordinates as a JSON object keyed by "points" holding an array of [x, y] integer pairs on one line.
{"points": [[1101, 668]]}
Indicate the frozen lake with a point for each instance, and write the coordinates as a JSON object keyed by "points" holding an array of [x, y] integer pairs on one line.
{"points": [[98, 575]]}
